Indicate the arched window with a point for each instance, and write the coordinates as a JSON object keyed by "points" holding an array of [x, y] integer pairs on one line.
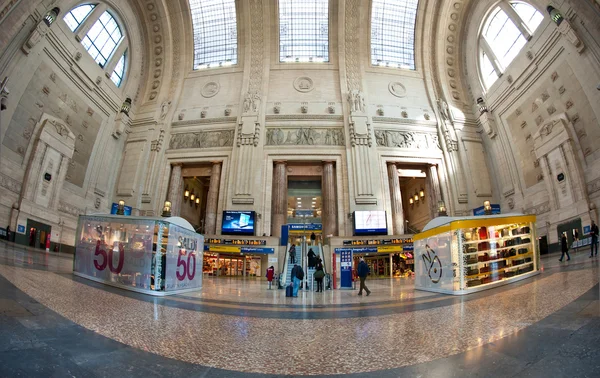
{"points": [[393, 33], [102, 36], [215, 33], [102, 39], [506, 30], [303, 30], [119, 72], [75, 17]]}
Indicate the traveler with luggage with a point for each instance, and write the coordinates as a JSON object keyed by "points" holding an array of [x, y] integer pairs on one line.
{"points": [[297, 277]]}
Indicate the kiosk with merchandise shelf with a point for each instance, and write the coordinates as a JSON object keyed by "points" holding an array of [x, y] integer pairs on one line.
{"points": [[156, 256], [461, 255]]}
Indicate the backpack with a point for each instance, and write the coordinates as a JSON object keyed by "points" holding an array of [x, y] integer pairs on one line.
{"points": [[299, 273]]}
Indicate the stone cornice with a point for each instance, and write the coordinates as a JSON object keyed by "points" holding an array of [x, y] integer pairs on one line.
{"points": [[304, 117], [204, 121]]}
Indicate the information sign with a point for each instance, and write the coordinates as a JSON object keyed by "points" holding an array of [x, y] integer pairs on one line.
{"points": [[346, 268]]}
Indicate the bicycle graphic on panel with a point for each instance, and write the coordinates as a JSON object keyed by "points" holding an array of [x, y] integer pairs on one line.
{"points": [[433, 265]]}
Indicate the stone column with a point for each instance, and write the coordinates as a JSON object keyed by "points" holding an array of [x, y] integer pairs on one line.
{"points": [[433, 188], [396, 200], [279, 198], [175, 189], [328, 215], [212, 199]]}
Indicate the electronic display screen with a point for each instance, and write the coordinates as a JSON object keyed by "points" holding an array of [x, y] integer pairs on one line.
{"points": [[238, 222], [370, 223]]}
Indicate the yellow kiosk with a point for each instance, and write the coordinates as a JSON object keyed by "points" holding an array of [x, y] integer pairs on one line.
{"points": [[461, 255]]}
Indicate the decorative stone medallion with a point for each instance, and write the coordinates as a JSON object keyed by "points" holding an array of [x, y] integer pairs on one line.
{"points": [[210, 89], [304, 84], [397, 89]]}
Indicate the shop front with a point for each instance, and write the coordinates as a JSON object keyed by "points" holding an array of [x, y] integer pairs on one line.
{"points": [[385, 257], [235, 258], [460, 255]]}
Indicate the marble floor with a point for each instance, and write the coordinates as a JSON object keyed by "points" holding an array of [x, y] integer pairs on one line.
{"points": [[55, 324]]}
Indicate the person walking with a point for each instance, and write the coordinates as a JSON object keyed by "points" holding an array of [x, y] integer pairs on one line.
{"points": [[319, 275], [594, 235], [565, 247], [293, 254], [270, 275], [297, 277], [363, 271]]}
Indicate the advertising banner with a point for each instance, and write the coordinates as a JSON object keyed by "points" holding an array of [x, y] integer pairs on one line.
{"points": [[115, 207], [481, 211], [346, 268], [184, 259], [433, 262], [116, 252]]}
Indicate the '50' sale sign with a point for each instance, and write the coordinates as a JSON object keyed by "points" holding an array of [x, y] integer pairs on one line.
{"points": [[184, 259]]}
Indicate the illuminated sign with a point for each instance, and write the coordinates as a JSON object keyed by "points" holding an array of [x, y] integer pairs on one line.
{"points": [[378, 241], [390, 248], [235, 241], [223, 248]]}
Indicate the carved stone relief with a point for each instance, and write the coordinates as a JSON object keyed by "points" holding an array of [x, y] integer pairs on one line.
{"points": [[304, 84], [305, 136], [407, 139], [210, 89], [539, 209], [207, 139], [397, 89]]}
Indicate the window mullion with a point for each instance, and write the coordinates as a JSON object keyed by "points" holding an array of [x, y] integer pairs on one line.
{"points": [[116, 56], [491, 56], [514, 17], [90, 20]]}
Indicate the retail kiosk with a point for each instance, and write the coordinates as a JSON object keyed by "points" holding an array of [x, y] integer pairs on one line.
{"points": [[461, 255], [156, 256]]}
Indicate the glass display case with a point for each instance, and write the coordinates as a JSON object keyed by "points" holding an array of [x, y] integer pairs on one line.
{"points": [[460, 255], [157, 256]]}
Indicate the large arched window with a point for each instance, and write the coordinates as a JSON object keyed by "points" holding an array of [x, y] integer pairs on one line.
{"points": [[75, 17], [393, 33], [100, 34], [215, 33], [506, 30], [102, 39], [303, 30]]}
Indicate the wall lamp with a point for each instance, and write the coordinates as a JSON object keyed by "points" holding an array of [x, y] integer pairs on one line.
{"points": [[126, 107], [442, 209], [487, 208], [121, 207], [167, 209]]}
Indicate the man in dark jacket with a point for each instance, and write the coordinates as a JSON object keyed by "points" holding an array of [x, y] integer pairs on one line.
{"points": [[297, 274], [312, 261], [594, 235], [363, 271]]}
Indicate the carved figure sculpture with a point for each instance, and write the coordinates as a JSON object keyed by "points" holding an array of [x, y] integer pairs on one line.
{"points": [[164, 109]]}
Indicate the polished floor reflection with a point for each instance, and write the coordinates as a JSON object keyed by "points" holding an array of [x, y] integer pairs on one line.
{"points": [[236, 327]]}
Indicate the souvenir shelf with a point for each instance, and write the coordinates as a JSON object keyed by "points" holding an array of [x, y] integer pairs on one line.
{"points": [[460, 255]]}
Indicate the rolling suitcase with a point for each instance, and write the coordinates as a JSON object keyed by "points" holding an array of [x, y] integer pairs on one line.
{"points": [[289, 290]]}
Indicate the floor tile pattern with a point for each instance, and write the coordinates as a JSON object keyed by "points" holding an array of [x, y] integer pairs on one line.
{"points": [[336, 346]]}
